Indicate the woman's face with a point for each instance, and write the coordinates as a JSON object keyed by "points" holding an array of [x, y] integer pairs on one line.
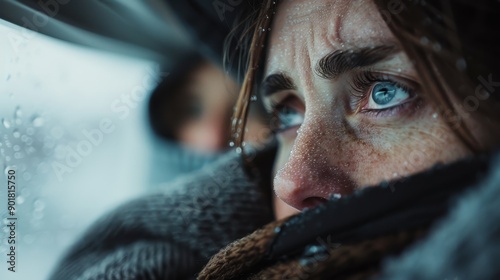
{"points": [[350, 109]]}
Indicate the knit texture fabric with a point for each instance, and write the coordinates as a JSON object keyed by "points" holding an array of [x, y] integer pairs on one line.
{"points": [[172, 234], [465, 245]]}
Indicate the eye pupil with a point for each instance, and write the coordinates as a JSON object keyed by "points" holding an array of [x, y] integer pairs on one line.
{"points": [[383, 93]]}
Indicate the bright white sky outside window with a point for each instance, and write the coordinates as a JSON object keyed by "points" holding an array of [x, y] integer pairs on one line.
{"points": [[51, 94]]}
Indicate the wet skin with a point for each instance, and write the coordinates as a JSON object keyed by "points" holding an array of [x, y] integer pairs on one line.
{"points": [[349, 103]]}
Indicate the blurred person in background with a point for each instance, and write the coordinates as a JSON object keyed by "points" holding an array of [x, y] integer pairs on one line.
{"points": [[190, 115], [193, 106], [193, 212]]}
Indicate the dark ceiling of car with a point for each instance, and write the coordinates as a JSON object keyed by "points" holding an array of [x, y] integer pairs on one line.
{"points": [[145, 28]]}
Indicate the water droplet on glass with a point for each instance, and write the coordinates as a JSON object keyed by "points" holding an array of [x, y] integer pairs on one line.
{"points": [[239, 150], [37, 121], [253, 98], [8, 168], [17, 148], [18, 113], [435, 115], [20, 200], [5, 123], [231, 144], [39, 204]]}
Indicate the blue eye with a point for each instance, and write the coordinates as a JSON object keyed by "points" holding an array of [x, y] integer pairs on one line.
{"points": [[387, 94], [383, 93], [376, 92], [288, 117]]}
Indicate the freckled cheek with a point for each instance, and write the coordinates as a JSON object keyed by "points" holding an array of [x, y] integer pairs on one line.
{"points": [[374, 165], [379, 153], [364, 160], [364, 163], [397, 153]]}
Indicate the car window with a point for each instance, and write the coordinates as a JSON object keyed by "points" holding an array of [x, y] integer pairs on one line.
{"points": [[72, 129]]}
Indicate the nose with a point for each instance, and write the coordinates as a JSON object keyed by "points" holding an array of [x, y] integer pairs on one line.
{"points": [[315, 170]]}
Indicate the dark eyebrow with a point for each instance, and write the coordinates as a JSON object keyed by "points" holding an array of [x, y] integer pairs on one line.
{"points": [[341, 61], [276, 82]]}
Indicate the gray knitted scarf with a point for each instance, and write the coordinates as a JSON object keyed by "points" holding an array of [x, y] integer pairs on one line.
{"points": [[171, 234]]}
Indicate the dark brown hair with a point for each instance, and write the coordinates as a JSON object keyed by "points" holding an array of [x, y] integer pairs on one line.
{"points": [[448, 58]]}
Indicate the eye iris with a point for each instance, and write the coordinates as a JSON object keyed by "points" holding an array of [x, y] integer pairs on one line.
{"points": [[287, 115], [383, 93]]}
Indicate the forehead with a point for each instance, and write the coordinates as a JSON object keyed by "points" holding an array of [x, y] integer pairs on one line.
{"points": [[311, 29]]}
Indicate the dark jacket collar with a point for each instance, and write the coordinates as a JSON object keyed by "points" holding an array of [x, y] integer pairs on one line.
{"points": [[415, 202]]}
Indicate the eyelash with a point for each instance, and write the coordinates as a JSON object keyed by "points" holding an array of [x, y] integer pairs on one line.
{"points": [[362, 83]]}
